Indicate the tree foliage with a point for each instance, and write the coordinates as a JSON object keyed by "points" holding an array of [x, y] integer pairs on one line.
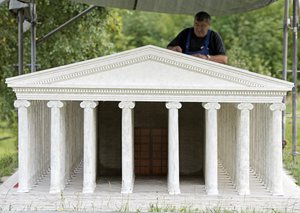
{"points": [[91, 36]]}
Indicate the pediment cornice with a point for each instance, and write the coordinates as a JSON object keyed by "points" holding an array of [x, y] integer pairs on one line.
{"points": [[149, 57]]}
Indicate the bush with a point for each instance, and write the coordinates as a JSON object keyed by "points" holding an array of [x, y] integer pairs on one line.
{"points": [[8, 163]]}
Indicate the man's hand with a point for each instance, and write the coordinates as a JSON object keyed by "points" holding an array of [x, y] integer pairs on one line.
{"points": [[216, 58], [176, 48], [200, 56]]}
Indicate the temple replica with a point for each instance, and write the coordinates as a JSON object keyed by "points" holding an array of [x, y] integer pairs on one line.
{"points": [[149, 112]]}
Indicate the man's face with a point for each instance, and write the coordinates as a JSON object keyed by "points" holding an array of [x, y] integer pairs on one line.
{"points": [[201, 28]]}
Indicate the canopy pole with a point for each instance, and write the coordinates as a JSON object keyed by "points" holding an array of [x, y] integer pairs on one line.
{"points": [[294, 91], [285, 55], [66, 24]]}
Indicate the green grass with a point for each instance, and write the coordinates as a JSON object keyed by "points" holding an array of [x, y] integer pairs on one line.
{"points": [[293, 168], [8, 139], [8, 150]]}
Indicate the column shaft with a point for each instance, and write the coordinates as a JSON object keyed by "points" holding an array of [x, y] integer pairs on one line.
{"points": [[173, 151], [127, 146], [24, 145], [275, 143], [90, 142], [58, 146], [211, 148], [243, 148]]}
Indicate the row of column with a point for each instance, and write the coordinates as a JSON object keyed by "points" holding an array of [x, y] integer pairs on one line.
{"points": [[58, 147], [273, 148], [235, 135]]}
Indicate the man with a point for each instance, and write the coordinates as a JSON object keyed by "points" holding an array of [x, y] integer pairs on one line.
{"points": [[200, 41]]}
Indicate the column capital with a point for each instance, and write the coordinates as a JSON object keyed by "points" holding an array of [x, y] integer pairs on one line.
{"points": [[277, 106], [126, 104], [21, 103], [173, 105], [244, 106], [211, 105], [89, 104], [55, 104]]}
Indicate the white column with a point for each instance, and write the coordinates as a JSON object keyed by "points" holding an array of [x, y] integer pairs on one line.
{"points": [[173, 149], [211, 148], [243, 148], [276, 149], [127, 146], [58, 146], [90, 145], [24, 144]]}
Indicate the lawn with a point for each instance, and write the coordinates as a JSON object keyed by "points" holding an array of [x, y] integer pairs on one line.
{"points": [[8, 150]]}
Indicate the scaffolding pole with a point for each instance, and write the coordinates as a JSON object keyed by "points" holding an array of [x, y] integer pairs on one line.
{"points": [[33, 35], [285, 56], [20, 42], [294, 68]]}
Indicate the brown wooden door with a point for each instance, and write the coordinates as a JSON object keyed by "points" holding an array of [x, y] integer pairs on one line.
{"points": [[151, 151]]}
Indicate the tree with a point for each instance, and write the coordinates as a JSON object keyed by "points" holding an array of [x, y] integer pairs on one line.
{"points": [[92, 36]]}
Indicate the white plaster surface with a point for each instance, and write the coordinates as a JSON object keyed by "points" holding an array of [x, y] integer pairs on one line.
{"points": [[146, 74], [173, 148], [127, 146], [90, 145], [154, 74], [107, 196], [58, 146], [24, 143], [243, 138], [276, 148], [211, 148]]}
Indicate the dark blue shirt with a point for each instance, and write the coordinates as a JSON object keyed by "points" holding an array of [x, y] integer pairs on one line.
{"points": [[216, 45]]}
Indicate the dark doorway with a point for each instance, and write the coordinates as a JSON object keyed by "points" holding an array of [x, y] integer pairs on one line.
{"points": [[151, 151]]}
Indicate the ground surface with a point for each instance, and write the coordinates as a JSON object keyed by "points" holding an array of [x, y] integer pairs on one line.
{"points": [[149, 194]]}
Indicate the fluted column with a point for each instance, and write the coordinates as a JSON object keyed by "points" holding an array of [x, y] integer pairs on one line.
{"points": [[242, 148], [127, 146], [24, 144], [58, 146], [275, 144], [173, 151], [90, 145], [211, 148]]}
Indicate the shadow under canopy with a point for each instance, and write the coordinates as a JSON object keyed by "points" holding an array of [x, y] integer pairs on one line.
{"points": [[189, 7]]}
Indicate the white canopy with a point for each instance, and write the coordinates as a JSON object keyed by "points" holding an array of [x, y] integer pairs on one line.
{"points": [[189, 7]]}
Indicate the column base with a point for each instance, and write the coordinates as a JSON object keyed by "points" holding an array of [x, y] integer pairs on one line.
{"points": [[55, 191], [23, 190], [212, 192], [127, 190], [174, 191], [88, 189], [277, 194], [244, 192]]}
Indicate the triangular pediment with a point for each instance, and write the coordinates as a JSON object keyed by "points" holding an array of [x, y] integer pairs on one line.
{"points": [[149, 74], [148, 67]]}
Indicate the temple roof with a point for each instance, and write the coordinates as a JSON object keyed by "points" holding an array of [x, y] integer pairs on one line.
{"points": [[147, 68]]}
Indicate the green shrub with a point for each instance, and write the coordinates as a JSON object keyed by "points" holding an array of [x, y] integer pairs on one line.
{"points": [[8, 163]]}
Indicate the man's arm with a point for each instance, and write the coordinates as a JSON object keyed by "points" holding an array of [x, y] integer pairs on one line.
{"points": [[216, 58], [177, 43], [220, 54], [175, 48]]}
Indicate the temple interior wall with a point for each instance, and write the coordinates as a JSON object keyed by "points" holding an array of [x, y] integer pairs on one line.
{"points": [[151, 115]]}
